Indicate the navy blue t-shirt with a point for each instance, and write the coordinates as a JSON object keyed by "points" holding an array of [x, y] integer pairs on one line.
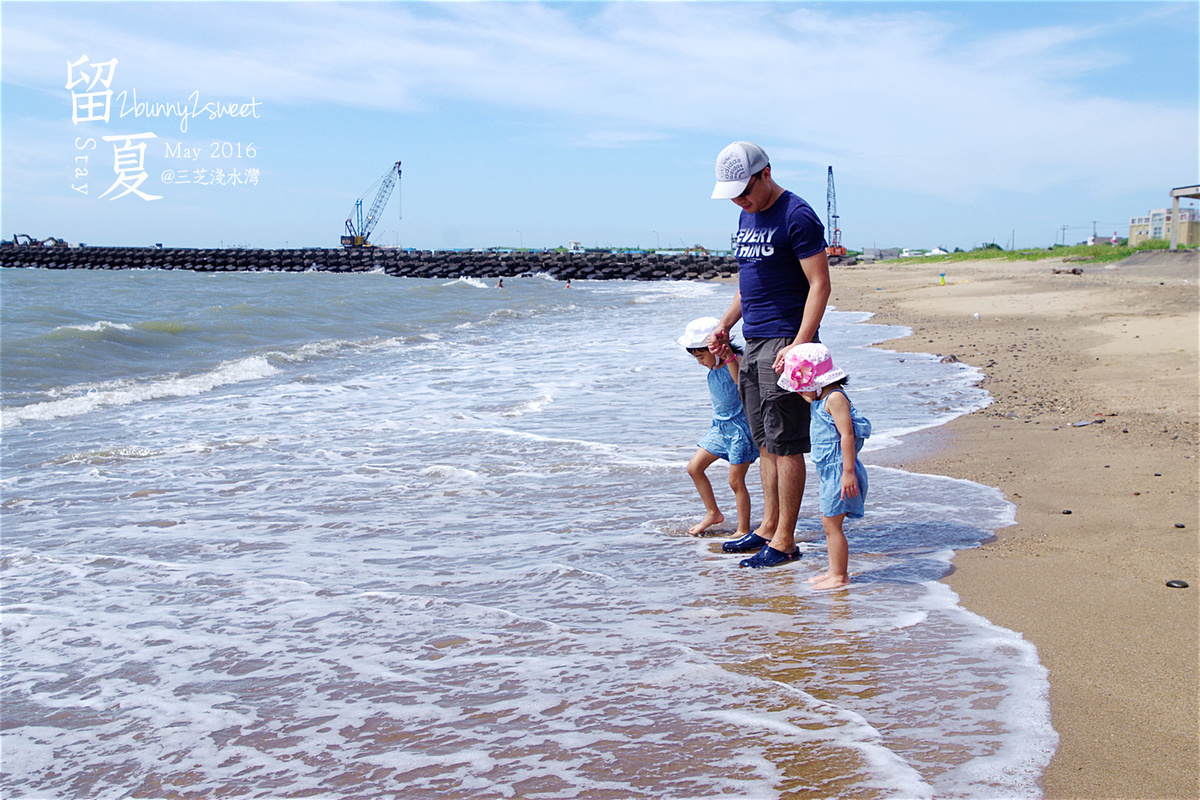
{"points": [[769, 247]]}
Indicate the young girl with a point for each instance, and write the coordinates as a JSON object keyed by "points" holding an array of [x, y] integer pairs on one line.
{"points": [[837, 431], [728, 438]]}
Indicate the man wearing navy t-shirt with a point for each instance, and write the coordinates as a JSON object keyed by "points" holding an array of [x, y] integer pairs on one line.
{"points": [[783, 286]]}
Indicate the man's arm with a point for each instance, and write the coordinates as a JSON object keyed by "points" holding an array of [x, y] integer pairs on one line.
{"points": [[718, 341], [816, 269]]}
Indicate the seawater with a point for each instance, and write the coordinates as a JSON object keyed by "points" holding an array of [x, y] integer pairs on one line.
{"points": [[353, 536]]}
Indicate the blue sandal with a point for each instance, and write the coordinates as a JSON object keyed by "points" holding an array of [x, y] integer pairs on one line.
{"points": [[770, 557], [750, 543]]}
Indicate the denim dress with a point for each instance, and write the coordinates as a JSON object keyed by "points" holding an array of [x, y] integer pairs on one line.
{"points": [[827, 459], [729, 437]]}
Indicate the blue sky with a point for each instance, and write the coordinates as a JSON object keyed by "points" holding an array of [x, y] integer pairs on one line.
{"points": [[533, 124]]}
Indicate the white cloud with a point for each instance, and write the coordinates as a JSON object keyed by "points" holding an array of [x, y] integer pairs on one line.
{"points": [[903, 97]]}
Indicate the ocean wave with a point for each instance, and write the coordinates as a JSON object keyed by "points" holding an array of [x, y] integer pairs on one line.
{"points": [[110, 455], [108, 331], [245, 369], [165, 326], [447, 471], [528, 406], [476, 282], [500, 316], [95, 327], [69, 401]]}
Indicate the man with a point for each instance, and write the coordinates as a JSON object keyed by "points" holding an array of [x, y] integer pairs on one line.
{"points": [[783, 286]]}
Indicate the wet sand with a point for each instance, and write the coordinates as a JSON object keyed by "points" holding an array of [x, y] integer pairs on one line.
{"points": [[1093, 435]]}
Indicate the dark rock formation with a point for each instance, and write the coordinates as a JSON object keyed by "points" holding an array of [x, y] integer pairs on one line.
{"points": [[599, 265]]}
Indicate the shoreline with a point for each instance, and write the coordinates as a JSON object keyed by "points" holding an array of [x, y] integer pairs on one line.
{"points": [[1082, 572]]}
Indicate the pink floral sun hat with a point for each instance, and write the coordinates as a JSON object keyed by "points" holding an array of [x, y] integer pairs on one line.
{"points": [[808, 367]]}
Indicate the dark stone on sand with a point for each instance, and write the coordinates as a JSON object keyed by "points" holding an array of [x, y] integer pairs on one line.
{"points": [[1177, 584], [1180, 525], [1066, 511]]}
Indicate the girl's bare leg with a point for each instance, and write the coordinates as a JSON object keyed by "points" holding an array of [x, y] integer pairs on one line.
{"points": [[700, 462], [737, 482], [839, 556]]}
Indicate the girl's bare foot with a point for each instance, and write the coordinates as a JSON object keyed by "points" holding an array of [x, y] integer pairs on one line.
{"points": [[832, 582], [818, 578], [710, 519]]}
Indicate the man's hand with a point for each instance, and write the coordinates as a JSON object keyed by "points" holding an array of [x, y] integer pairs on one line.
{"points": [[777, 364], [718, 344]]}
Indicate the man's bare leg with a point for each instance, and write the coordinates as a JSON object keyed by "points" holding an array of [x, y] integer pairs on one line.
{"points": [[790, 475], [767, 473], [741, 496]]}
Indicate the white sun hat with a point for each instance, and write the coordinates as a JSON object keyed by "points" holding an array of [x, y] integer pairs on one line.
{"points": [[736, 164], [809, 367], [697, 332]]}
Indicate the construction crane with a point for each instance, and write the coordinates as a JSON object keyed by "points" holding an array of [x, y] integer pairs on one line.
{"points": [[357, 229], [831, 221]]}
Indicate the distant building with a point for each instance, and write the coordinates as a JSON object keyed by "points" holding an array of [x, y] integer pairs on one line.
{"points": [[1158, 225], [879, 254]]}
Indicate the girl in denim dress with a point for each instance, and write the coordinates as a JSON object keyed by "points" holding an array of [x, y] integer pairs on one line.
{"points": [[837, 431], [729, 435]]}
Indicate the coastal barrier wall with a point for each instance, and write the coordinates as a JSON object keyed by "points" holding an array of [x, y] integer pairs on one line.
{"points": [[601, 265]]}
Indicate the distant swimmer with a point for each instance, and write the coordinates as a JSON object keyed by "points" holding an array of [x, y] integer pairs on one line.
{"points": [[500, 283], [568, 284]]}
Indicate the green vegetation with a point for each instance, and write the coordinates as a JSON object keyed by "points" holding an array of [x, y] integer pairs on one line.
{"points": [[1081, 252]]}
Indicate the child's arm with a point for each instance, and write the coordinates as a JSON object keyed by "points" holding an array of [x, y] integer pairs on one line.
{"points": [[839, 408], [733, 363]]}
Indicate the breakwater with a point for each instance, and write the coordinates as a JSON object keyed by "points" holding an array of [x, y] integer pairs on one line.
{"points": [[598, 265]]}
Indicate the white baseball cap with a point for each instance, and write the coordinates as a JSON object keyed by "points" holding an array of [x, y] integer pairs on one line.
{"points": [[697, 332], [736, 164]]}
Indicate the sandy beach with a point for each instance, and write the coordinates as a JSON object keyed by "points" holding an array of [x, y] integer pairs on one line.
{"points": [[1093, 435]]}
